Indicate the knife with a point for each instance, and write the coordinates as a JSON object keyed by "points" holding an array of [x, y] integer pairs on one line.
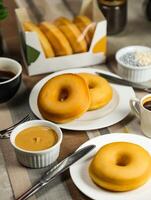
{"points": [[121, 81], [56, 170]]}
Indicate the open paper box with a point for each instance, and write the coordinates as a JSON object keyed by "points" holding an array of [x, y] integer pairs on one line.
{"points": [[35, 59]]}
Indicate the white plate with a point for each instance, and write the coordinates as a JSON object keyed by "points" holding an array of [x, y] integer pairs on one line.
{"points": [[115, 111], [80, 176]]}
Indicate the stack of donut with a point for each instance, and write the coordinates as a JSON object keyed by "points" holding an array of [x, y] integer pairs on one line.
{"points": [[68, 96], [63, 36]]}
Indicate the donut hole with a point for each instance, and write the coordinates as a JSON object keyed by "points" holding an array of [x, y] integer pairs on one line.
{"points": [[63, 95], [123, 160], [91, 85]]}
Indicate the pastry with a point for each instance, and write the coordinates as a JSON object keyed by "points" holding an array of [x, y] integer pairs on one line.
{"points": [[120, 166], [72, 33], [57, 39], [47, 48], [86, 26], [100, 90], [64, 98]]}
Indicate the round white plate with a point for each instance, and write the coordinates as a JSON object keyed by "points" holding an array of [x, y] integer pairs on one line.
{"points": [[116, 110], [80, 176]]}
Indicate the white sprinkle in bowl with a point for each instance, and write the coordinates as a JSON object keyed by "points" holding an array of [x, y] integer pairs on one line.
{"points": [[37, 159], [129, 72]]}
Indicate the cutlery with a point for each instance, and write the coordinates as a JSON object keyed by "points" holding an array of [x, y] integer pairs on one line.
{"points": [[5, 133], [56, 170], [121, 81]]}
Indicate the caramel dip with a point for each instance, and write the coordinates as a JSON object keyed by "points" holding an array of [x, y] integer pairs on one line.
{"points": [[36, 138]]}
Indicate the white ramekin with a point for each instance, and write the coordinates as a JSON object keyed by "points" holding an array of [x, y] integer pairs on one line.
{"points": [[37, 159], [131, 73]]}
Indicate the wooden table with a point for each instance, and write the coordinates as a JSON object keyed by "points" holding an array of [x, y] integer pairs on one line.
{"points": [[16, 179]]}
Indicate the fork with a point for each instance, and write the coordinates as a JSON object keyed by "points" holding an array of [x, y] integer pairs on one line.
{"points": [[5, 133]]}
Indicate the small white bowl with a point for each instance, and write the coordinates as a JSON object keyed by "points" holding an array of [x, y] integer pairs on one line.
{"points": [[129, 72], [37, 159]]}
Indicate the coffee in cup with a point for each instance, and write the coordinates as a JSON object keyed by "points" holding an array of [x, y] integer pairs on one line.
{"points": [[10, 78], [142, 109], [147, 104]]}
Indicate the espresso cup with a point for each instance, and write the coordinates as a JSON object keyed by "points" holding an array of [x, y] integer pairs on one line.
{"points": [[142, 113], [9, 87]]}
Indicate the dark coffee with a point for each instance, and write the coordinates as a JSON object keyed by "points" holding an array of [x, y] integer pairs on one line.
{"points": [[6, 75], [147, 105]]}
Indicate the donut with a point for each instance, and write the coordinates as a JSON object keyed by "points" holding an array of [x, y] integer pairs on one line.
{"points": [[120, 166], [57, 39], [99, 88], [86, 26], [72, 33], [47, 48], [64, 98]]}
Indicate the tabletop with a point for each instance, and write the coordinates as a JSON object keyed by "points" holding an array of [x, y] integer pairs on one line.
{"points": [[16, 179]]}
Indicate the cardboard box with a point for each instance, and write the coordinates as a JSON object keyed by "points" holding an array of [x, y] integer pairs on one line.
{"points": [[34, 56]]}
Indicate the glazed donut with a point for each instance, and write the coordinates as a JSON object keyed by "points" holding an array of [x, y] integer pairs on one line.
{"points": [[57, 39], [86, 26], [120, 166], [99, 88], [48, 50], [64, 98], [72, 33]]}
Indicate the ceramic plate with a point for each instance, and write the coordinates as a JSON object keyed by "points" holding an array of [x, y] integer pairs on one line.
{"points": [[80, 176], [116, 110]]}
